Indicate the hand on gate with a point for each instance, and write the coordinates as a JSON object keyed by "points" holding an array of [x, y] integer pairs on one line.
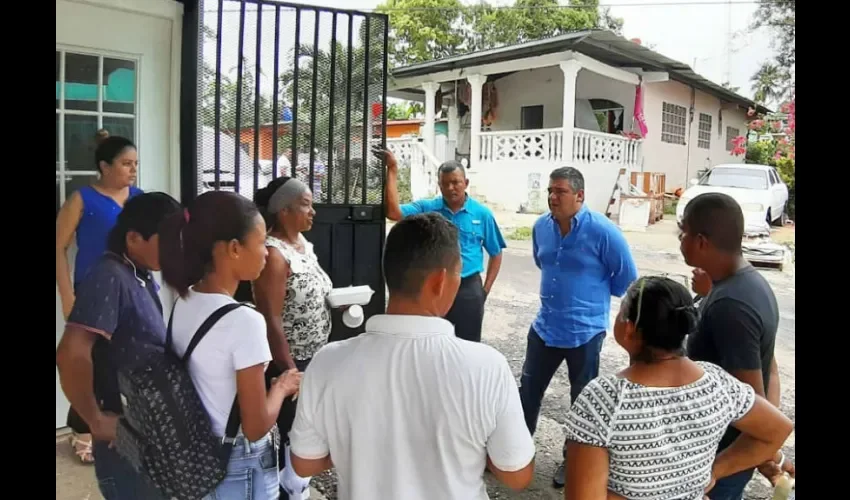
{"points": [[387, 155]]}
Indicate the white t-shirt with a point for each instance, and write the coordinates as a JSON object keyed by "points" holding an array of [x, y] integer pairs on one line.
{"points": [[408, 410], [237, 341]]}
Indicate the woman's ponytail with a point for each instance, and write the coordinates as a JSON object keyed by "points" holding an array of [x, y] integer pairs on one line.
{"points": [[172, 254]]}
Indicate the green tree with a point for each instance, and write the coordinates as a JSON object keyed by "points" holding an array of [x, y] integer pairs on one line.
{"points": [[779, 17], [229, 95], [423, 30], [769, 84]]}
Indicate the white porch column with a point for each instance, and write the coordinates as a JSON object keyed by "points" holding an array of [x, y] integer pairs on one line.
{"points": [[430, 112], [476, 82], [570, 69]]}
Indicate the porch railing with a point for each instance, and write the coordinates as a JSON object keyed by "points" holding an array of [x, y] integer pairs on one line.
{"points": [[541, 145], [591, 148]]}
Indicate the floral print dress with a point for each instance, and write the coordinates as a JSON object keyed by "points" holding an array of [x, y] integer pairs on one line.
{"points": [[306, 314]]}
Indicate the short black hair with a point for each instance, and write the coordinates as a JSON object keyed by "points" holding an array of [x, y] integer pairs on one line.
{"points": [[417, 246], [667, 314], [717, 217], [450, 166], [143, 214]]}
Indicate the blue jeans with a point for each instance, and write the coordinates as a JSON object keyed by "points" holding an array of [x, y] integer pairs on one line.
{"points": [[731, 487], [252, 472], [541, 363], [117, 479]]}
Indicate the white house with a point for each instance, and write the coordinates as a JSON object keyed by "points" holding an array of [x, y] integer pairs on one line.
{"points": [[517, 112]]}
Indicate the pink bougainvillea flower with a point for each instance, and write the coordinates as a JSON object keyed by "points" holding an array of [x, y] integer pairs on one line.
{"points": [[756, 124]]}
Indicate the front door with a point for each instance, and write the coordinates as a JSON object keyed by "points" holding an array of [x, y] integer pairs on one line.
{"points": [[301, 91], [113, 71]]}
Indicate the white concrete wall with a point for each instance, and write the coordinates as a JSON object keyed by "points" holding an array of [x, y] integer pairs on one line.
{"points": [[545, 86], [681, 162]]}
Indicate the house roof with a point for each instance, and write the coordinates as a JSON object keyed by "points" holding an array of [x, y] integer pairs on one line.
{"points": [[602, 45]]}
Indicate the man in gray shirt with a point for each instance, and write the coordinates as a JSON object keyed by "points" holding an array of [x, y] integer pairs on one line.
{"points": [[739, 315]]}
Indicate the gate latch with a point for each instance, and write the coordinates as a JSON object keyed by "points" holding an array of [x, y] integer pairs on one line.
{"points": [[361, 212]]}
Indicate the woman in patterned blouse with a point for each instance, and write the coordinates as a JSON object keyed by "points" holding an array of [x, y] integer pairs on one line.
{"points": [[292, 290], [652, 430]]}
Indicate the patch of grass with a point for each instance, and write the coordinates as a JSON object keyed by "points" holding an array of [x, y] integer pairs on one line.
{"points": [[670, 206], [520, 234]]}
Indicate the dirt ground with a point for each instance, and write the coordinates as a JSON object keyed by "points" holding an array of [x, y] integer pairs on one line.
{"points": [[513, 303], [510, 310]]}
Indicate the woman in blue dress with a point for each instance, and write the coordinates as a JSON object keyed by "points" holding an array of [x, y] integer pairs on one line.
{"points": [[90, 213]]}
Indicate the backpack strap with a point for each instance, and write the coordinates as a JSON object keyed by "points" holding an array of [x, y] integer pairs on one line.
{"points": [[205, 327], [235, 418], [168, 330]]}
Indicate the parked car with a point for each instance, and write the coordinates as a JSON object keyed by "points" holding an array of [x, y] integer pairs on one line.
{"points": [[757, 188]]}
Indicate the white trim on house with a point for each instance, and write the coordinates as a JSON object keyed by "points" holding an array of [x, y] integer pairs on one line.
{"points": [[167, 9], [173, 11]]}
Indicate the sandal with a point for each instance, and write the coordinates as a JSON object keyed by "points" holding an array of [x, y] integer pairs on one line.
{"points": [[82, 449]]}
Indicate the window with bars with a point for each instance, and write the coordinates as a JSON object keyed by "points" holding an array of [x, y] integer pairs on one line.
{"points": [[93, 91], [731, 134], [673, 123], [704, 133]]}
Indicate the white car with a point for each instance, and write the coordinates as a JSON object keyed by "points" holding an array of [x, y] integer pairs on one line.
{"points": [[757, 188]]}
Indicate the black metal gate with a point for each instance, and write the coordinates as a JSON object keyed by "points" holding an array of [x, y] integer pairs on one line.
{"points": [[298, 90]]}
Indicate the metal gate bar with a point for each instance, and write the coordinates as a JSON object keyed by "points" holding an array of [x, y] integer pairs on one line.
{"points": [[276, 91], [348, 176], [257, 100], [238, 128]]}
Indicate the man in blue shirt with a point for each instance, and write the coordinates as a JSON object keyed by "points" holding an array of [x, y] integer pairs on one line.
{"points": [[584, 260], [477, 230]]}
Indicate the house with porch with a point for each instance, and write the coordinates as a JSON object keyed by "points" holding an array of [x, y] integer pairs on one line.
{"points": [[515, 113]]}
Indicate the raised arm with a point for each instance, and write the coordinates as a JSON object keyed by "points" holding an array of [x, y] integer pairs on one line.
{"points": [[270, 295], [66, 225], [391, 201]]}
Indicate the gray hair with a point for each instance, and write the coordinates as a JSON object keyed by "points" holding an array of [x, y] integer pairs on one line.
{"points": [[286, 195], [450, 166], [571, 175]]}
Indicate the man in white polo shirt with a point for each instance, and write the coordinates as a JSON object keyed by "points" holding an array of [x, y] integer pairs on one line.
{"points": [[407, 410]]}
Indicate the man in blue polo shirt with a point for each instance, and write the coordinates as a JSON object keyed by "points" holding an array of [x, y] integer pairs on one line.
{"points": [[584, 260], [477, 231]]}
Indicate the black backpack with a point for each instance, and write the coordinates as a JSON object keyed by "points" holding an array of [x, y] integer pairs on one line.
{"points": [[165, 431]]}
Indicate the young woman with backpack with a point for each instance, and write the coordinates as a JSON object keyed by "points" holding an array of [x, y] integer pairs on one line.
{"points": [[206, 251]]}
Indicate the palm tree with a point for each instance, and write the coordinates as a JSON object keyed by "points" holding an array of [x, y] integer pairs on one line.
{"points": [[768, 84]]}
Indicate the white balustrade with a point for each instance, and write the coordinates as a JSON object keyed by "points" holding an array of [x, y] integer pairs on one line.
{"points": [[509, 146], [545, 145], [594, 148]]}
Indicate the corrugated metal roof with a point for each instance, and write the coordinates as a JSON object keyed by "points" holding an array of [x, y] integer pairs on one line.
{"points": [[602, 45]]}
